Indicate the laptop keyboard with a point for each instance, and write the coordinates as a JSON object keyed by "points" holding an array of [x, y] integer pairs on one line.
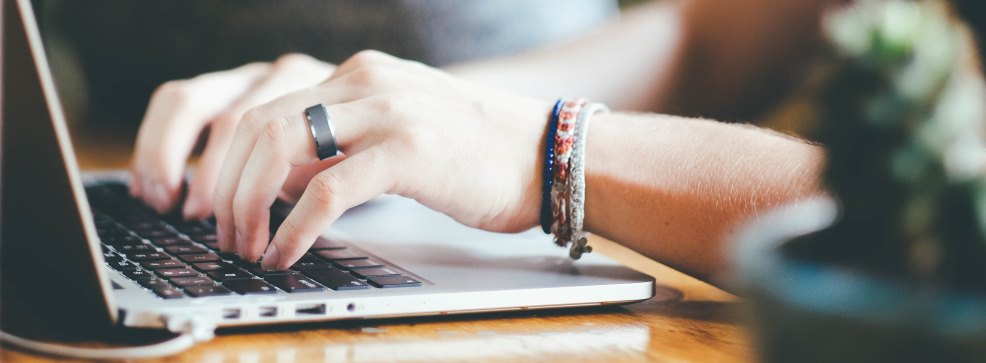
{"points": [[181, 259]]}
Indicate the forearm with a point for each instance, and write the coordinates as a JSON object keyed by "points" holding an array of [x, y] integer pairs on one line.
{"points": [[677, 190]]}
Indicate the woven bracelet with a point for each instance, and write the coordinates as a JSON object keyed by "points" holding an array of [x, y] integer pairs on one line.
{"points": [[576, 205]]}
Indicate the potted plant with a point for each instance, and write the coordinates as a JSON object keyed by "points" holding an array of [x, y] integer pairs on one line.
{"points": [[892, 267]]}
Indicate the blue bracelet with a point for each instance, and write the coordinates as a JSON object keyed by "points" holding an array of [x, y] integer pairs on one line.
{"points": [[549, 161]]}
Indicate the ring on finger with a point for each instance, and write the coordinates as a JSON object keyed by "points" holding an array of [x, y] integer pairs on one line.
{"points": [[322, 131]]}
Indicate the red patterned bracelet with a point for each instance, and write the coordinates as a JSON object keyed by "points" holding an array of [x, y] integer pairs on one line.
{"points": [[561, 191]]}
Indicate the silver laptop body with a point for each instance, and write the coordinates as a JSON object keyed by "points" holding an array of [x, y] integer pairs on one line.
{"points": [[49, 239]]}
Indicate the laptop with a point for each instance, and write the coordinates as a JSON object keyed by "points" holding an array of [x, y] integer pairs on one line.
{"points": [[77, 253]]}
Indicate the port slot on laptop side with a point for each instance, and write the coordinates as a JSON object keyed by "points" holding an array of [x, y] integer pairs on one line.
{"points": [[309, 309], [267, 311], [231, 313]]}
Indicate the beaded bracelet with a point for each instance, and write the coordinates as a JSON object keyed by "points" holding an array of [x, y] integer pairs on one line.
{"points": [[566, 164], [547, 175], [560, 191]]}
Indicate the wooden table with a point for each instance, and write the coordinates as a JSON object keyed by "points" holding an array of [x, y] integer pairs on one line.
{"points": [[688, 320]]}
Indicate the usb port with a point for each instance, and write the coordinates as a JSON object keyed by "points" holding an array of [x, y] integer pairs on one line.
{"points": [[231, 314], [267, 312], [309, 310]]}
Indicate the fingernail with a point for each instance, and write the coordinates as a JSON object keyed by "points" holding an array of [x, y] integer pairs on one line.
{"points": [[270, 259], [192, 208]]}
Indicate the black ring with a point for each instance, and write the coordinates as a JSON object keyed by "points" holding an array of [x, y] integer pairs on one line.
{"points": [[322, 131]]}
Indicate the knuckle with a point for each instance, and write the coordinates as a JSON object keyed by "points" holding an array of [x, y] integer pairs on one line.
{"points": [[369, 57], [275, 131], [324, 187], [253, 119], [417, 137], [292, 61], [371, 76], [389, 105]]}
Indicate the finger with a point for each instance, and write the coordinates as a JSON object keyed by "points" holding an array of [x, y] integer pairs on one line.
{"points": [[283, 145], [300, 176], [289, 73], [363, 59], [290, 107], [175, 117], [202, 183], [353, 181]]}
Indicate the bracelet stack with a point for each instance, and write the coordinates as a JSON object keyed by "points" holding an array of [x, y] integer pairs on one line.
{"points": [[563, 194]]}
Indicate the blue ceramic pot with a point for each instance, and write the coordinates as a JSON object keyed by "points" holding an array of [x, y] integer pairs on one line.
{"points": [[808, 312]]}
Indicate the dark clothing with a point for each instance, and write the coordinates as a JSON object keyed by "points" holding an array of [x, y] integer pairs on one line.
{"points": [[126, 48]]}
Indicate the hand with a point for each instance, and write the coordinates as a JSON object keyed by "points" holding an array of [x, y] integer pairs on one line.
{"points": [[179, 111], [468, 151]]}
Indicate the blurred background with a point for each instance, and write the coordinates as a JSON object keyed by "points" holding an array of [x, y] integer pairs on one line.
{"points": [[109, 55]]}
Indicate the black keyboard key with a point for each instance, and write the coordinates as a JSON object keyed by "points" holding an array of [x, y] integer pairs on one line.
{"points": [[157, 233], [232, 257], [145, 224], [324, 244], [112, 232], [223, 275], [249, 286], [102, 221], [256, 269], [154, 283], [333, 255], [201, 291], [213, 245], [142, 247], [121, 264], [170, 273], [142, 225], [171, 241], [184, 249], [213, 266], [167, 292], [192, 281], [110, 256], [199, 257], [138, 275], [159, 264], [294, 283], [357, 264], [336, 279], [374, 272], [127, 240], [147, 256], [393, 281], [204, 238], [194, 228], [310, 261]]}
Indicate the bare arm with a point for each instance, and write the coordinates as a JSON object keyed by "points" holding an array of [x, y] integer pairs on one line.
{"points": [[676, 189], [671, 188]]}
